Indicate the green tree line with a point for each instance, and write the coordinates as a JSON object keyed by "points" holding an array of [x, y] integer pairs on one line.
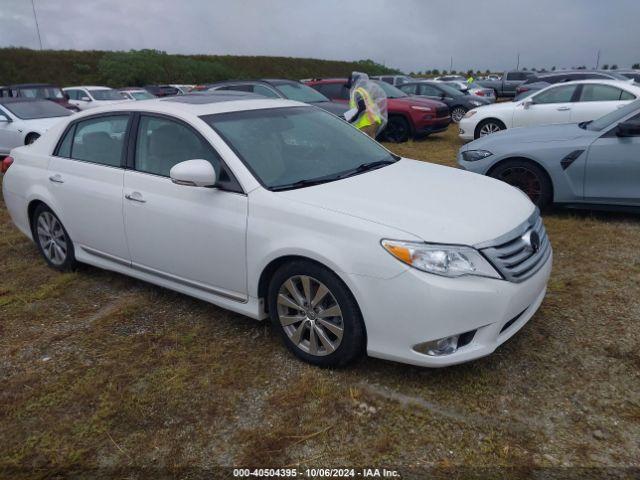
{"points": [[144, 67]]}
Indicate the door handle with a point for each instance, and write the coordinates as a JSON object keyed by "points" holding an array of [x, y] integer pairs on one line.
{"points": [[564, 109], [135, 197], [57, 178]]}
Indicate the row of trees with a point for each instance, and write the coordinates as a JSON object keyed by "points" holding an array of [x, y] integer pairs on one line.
{"points": [[144, 67]]}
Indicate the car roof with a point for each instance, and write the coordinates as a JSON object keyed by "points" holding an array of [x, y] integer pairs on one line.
{"points": [[89, 87], [198, 104], [32, 85]]}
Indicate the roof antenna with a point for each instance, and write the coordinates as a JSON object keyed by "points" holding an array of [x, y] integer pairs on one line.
{"points": [[37, 26]]}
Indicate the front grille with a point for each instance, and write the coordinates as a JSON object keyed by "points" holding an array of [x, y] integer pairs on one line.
{"points": [[515, 255], [442, 112]]}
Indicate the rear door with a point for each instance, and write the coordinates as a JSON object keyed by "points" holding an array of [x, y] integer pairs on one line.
{"points": [[613, 169], [86, 175], [549, 106], [193, 236], [597, 100]]}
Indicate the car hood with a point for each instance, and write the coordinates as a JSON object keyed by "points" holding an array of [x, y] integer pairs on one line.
{"points": [[332, 107], [432, 202], [544, 133]]}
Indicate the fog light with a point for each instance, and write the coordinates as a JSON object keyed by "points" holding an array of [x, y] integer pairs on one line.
{"points": [[442, 346]]}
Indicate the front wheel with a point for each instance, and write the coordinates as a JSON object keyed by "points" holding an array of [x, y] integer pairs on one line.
{"points": [[398, 130], [458, 113], [489, 126], [316, 314], [529, 178], [52, 239]]}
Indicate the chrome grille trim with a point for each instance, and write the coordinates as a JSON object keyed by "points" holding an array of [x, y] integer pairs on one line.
{"points": [[512, 256]]}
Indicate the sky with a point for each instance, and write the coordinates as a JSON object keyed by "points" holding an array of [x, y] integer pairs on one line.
{"points": [[411, 35]]}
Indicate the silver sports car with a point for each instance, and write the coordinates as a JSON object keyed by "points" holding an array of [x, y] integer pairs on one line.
{"points": [[591, 164]]}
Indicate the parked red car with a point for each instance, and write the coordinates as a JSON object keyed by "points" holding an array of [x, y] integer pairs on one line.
{"points": [[409, 117], [39, 90]]}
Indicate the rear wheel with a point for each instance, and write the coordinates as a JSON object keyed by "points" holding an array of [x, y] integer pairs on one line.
{"points": [[529, 178], [489, 126], [52, 239], [316, 314], [398, 130], [458, 113]]}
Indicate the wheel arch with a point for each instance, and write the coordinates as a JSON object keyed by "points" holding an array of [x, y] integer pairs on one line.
{"points": [[476, 131], [29, 135], [520, 158]]}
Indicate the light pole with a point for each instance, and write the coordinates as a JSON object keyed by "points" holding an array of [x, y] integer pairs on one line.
{"points": [[37, 26]]}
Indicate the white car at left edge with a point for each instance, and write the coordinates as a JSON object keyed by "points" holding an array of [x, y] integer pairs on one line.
{"points": [[569, 102], [24, 120]]}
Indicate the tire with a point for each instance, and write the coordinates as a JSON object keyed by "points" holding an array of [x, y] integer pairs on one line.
{"points": [[495, 94], [297, 310], [457, 113], [397, 130], [32, 137], [528, 177], [52, 239], [488, 126]]}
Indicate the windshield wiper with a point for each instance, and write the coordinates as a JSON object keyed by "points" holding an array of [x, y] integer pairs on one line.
{"points": [[303, 183], [365, 167]]}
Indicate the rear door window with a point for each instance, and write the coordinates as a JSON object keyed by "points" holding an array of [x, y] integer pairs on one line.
{"points": [[561, 94], [600, 93], [97, 140]]}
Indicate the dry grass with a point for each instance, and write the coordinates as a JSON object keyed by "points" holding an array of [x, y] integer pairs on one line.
{"points": [[101, 371]]}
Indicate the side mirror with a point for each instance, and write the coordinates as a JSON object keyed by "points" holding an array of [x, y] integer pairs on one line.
{"points": [[628, 129], [66, 96], [527, 103], [85, 98], [193, 173]]}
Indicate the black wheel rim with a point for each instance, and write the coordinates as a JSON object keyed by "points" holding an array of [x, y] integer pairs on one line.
{"points": [[525, 179], [396, 131]]}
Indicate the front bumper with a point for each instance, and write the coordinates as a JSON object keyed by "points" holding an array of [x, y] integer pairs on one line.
{"points": [[417, 307], [434, 126], [466, 130]]}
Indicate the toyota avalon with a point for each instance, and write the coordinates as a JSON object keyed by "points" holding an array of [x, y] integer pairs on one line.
{"points": [[276, 209]]}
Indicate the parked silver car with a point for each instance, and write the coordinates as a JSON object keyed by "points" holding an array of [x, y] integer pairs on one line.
{"points": [[591, 164]]}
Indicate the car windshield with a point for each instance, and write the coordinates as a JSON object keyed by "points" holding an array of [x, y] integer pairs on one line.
{"points": [[300, 92], [391, 91], [41, 92], [450, 91], [612, 117], [142, 95], [36, 109], [105, 94], [294, 147]]}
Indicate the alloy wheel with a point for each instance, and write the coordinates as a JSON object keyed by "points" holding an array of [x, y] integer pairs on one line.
{"points": [[525, 179], [458, 114], [489, 128], [310, 315], [52, 238]]}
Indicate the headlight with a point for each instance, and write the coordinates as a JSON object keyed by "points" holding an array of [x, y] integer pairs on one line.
{"points": [[475, 155], [446, 260], [470, 113], [422, 109], [475, 103]]}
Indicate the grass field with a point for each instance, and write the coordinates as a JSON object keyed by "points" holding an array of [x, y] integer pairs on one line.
{"points": [[101, 371]]}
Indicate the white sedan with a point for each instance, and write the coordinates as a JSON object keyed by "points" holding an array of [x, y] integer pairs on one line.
{"points": [[570, 102], [23, 120], [273, 209], [92, 97]]}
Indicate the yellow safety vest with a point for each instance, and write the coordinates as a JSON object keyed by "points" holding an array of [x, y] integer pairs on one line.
{"points": [[369, 117]]}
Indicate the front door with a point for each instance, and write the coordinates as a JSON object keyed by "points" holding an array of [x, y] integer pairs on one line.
{"points": [[86, 178], [545, 108], [613, 169], [194, 236]]}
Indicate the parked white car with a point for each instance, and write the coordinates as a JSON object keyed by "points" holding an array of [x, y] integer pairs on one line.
{"points": [[23, 120], [136, 94], [570, 102], [272, 208], [92, 97]]}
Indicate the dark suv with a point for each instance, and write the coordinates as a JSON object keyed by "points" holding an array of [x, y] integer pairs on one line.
{"points": [[41, 91], [409, 117]]}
